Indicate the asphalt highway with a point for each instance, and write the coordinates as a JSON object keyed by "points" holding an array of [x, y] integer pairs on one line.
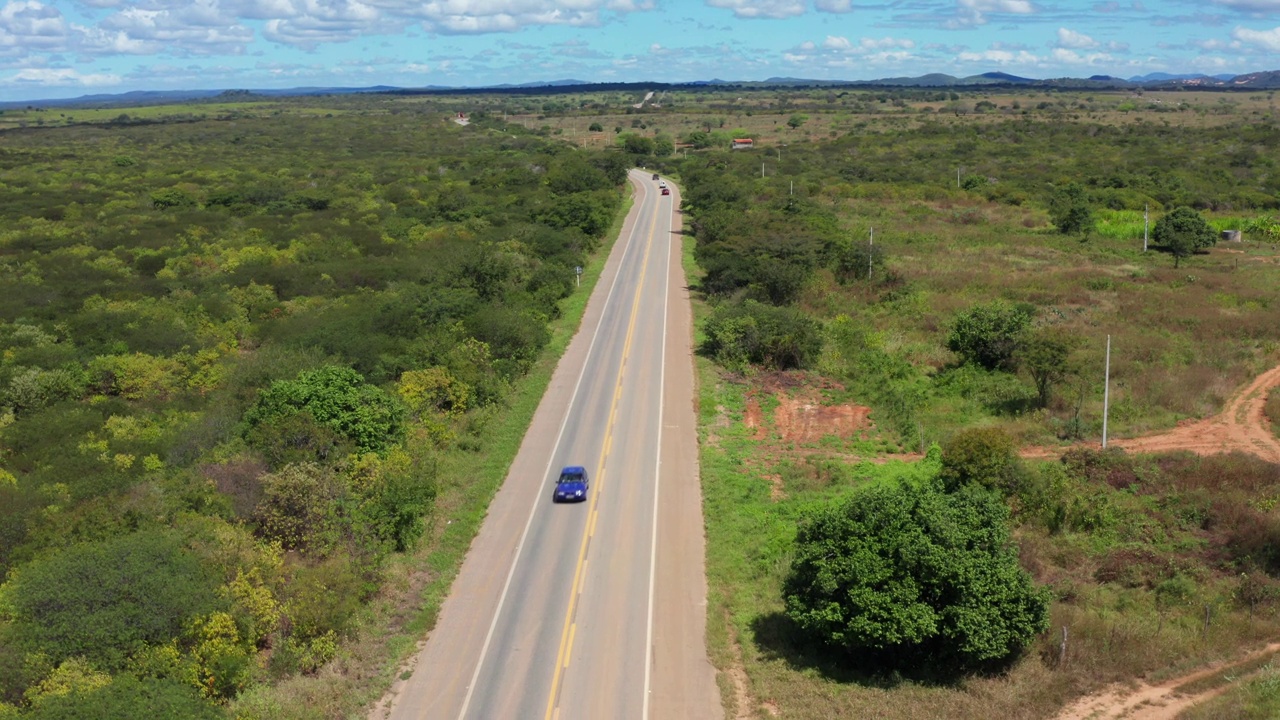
{"points": [[592, 610]]}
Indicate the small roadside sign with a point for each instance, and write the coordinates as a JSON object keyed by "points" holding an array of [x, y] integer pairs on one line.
{"points": [[578, 270]]}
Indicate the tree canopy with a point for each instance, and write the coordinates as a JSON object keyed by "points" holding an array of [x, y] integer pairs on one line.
{"points": [[988, 334], [914, 577], [1184, 232]]}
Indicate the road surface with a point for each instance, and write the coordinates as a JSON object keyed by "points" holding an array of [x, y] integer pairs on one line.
{"points": [[594, 610]]}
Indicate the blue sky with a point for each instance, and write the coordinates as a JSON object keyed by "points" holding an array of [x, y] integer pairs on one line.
{"points": [[65, 48]]}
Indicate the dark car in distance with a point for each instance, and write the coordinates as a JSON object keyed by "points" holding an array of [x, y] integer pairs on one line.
{"points": [[655, 176], [572, 485]]}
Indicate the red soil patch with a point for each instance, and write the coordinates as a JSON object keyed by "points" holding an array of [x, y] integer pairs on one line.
{"points": [[802, 421], [801, 416]]}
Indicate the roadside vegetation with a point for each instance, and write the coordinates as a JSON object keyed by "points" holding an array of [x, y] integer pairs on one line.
{"points": [[971, 318], [247, 363]]}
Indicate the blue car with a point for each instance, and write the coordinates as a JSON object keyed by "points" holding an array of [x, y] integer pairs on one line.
{"points": [[572, 484]]}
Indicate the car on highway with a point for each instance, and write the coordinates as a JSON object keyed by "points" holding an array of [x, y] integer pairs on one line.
{"points": [[662, 184], [655, 176], [666, 191], [572, 485]]}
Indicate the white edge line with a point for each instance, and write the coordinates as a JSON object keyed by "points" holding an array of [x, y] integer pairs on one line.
{"points": [[502, 599], [657, 476]]}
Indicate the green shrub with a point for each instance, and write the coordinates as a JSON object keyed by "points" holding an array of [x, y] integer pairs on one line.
{"points": [[298, 506], [750, 332], [103, 600], [1071, 211], [127, 698], [911, 577], [337, 398], [989, 334], [987, 456]]}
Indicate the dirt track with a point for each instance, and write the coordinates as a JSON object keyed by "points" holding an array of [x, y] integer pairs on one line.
{"points": [[1240, 427], [1162, 701]]}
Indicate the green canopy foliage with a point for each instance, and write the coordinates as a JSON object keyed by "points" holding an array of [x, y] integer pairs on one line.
{"points": [[781, 338], [989, 334], [1183, 233], [1070, 210], [338, 399], [986, 456], [126, 697], [914, 577], [104, 600]]}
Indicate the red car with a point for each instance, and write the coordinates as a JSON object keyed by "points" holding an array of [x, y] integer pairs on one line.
{"points": [[666, 191]]}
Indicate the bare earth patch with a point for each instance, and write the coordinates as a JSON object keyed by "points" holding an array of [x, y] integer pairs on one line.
{"points": [[1241, 426], [1161, 701], [801, 416]]}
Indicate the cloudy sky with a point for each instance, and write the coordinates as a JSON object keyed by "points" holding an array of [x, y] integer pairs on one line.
{"points": [[66, 48]]}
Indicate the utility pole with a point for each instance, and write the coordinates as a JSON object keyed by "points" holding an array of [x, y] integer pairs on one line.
{"points": [[761, 169], [793, 187], [957, 176], [871, 252], [1106, 393], [1146, 222]]}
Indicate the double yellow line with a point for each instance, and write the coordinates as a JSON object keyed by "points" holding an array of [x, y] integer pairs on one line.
{"points": [[579, 572]]}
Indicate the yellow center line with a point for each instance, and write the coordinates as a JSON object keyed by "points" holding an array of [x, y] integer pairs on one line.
{"points": [[568, 650], [562, 656]]}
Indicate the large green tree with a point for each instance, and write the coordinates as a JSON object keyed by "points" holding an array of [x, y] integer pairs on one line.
{"points": [[913, 576], [1184, 232]]}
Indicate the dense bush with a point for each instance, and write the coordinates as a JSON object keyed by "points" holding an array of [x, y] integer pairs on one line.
{"points": [[987, 456], [338, 399], [750, 332], [164, 305], [126, 698], [913, 577], [989, 334], [105, 600]]}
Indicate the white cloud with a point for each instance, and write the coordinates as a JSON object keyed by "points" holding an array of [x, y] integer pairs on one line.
{"points": [[1268, 40], [1017, 7], [322, 21], [29, 25], [492, 16], [970, 13], [1075, 40], [60, 77], [833, 6], [863, 46], [999, 57], [1071, 57], [753, 9], [199, 28]]}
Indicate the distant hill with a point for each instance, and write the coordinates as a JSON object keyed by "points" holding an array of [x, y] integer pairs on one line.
{"points": [[1266, 80], [1166, 77]]}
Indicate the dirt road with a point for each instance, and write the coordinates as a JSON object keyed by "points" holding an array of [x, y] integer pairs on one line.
{"points": [[1241, 427]]}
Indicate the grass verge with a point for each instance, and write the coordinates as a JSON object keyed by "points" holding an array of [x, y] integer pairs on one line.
{"points": [[393, 626]]}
